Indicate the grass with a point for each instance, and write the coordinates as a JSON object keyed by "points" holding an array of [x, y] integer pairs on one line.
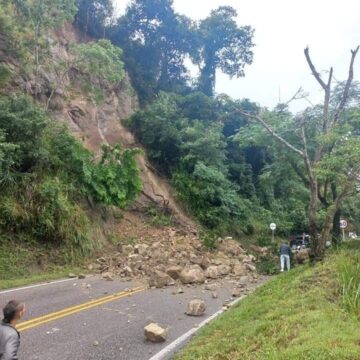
{"points": [[22, 264], [308, 313], [53, 274]]}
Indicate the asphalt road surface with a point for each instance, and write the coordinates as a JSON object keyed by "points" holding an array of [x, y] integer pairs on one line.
{"points": [[94, 319]]}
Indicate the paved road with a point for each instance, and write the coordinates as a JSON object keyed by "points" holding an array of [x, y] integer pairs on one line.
{"points": [[93, 319]]}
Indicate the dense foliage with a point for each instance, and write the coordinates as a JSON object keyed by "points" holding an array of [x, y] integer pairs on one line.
{"points": [[46, 175], [157, 42], [230, 184]]}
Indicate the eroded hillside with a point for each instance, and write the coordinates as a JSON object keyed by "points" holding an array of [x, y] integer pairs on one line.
{"points": [[94, 123]]}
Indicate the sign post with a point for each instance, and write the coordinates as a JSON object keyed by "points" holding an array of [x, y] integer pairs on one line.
{"points": [[343, 226], [273, 228]]}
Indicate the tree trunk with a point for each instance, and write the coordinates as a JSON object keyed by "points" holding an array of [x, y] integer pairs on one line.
{"points": [[318, 248], [336, 227], [207, 78]]}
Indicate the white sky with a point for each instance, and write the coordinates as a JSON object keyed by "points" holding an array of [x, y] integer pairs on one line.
{"points": [[283, 28]]}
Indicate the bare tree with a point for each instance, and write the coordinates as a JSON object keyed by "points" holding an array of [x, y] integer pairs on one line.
{"points": [[328, 121]]}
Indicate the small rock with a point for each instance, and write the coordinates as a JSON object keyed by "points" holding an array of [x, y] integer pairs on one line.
{"points": [[210, 287], [196, 307], [96, 343], [72, 276], [250, 267], [108, 276], [214, 295], [236, 293], [155, 333], [81, 276], [244, 280]]}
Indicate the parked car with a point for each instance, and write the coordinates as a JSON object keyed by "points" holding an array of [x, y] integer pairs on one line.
{"points": [[299, 242]]}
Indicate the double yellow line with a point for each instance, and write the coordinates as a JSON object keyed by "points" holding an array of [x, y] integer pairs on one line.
{"points": [[27, 325]]}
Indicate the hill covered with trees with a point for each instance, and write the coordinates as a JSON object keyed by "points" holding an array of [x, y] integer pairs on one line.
{"points": [[233, 165]]}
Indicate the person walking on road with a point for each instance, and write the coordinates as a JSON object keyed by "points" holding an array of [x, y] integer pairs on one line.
{"points": [[9, 336], [285, 253]]}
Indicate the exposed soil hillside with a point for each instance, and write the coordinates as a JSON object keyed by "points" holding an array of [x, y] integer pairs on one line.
{"points": [[96, 124]]}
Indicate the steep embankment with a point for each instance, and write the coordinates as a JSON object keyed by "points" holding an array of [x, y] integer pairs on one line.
{"points": [[96, 123]]}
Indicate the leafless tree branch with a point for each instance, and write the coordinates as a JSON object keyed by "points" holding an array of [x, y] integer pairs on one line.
{"points": [[271, 131], [345, 95], [313, 69]]}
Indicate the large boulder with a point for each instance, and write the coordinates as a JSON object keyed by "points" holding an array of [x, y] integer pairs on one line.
{"points": [[160, 279], [230, 247], [302, 256], [141, 249], [196, 307], [224, 270], [155, 333], [174, 271], [259, 250], [239, 269], [212, 272], [192, 275]]}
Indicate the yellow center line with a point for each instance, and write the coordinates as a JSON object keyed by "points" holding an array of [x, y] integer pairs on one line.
{"points": [[26, 325]]}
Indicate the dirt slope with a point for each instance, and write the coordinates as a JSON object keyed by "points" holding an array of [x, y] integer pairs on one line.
{"points": [[95, 124]]}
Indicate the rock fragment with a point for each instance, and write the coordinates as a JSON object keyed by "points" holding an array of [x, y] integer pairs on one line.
{"points": [[155, 333]]}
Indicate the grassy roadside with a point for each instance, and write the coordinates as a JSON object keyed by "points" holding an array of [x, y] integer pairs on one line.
{"points": [[23, 264], [53, 274], [309, 313]]}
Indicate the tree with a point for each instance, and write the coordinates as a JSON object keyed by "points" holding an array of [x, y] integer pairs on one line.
{"points": [[224, 46], [93, 16], [40, 16], [322, 145], [156, 41]]}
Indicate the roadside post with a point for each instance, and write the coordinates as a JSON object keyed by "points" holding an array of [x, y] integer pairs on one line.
{"points": [[343, 226], [273, 228]]}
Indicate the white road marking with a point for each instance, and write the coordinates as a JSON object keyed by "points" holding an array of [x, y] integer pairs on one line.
{"points": [[37, 285], [183, 338]]}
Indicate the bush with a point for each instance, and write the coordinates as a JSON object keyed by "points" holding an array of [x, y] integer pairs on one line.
{"points": [[45, 174], [210, 196]]}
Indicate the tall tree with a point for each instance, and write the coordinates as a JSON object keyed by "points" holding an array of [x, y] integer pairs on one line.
{"points": [[156, 42], [224, 46], [93, 16], [329, 146]]}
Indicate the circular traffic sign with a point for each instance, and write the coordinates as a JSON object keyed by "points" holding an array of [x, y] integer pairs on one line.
{"points": [[343, 224], [273, 226]]}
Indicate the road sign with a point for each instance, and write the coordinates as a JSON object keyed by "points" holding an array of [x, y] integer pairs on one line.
{"points": [[273, 226], [343, 224]]}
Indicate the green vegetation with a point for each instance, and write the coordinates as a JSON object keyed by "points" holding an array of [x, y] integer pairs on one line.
{"points": [[226, 183], [157, 41], [23, 263], [47, 178], [46, 175], [309, 313]]}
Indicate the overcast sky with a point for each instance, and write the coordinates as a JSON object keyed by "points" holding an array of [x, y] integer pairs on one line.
{"points": [[283, 28]]}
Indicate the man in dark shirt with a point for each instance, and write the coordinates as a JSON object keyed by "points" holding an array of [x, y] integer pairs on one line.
{"points": [[9, 337], [285, 253]]}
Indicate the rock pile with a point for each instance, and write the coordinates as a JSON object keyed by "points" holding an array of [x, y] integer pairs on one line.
{"points": [[176, 258]]}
